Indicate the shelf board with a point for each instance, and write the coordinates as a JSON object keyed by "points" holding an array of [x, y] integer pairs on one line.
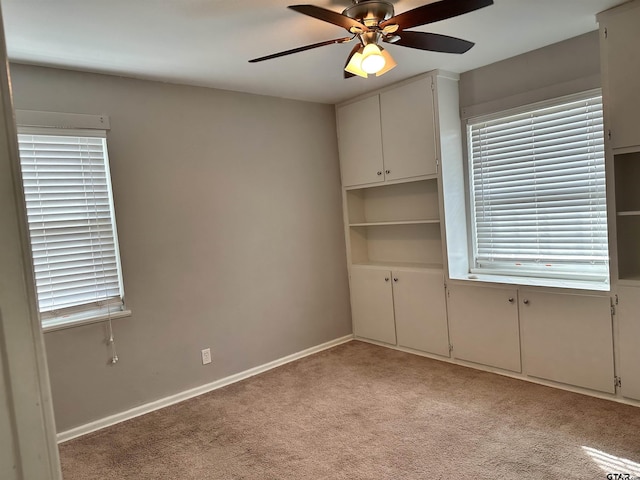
{"points": [[633, 280], [400, 222], [364, 186], [629, 213], [392, 265]]}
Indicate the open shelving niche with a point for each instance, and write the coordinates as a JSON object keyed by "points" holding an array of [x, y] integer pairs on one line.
{"points": [[627, 194], [395, 226]]}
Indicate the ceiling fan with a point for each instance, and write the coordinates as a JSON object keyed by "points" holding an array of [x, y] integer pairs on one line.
{"points": [[373, 21]]}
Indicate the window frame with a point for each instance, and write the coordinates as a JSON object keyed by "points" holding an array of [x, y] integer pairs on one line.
{"points": [[557, 276], [78, 125]]}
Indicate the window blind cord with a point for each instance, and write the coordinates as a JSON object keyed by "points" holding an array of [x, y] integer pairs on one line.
{"points": [[111, 341]]}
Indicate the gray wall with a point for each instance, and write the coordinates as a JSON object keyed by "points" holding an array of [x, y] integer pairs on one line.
{"points": [[228, 208], [560, 69]]}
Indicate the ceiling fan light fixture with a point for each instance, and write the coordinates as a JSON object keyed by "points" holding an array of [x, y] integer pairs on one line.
{"points": [[372, 59], [375, 21], [389, 64], [355, 65]]}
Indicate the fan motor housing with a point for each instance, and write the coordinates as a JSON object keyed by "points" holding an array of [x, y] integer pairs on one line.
{"points": [[369, 12]]}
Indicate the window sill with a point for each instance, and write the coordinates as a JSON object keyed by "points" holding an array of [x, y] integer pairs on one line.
{"points": [[79, 319], [535, 281]]}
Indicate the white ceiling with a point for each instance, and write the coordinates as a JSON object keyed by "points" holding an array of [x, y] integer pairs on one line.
{"points": [[208, 42]]}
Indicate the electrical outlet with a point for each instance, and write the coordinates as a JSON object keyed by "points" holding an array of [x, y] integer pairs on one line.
{"points": [[206, 356]]}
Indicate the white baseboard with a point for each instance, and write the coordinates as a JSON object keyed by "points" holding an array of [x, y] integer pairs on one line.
{"points": [[194, 392]]}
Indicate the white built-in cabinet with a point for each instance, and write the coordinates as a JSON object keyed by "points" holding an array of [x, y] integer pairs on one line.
{"points": [[626, 172], [406, 307], [360, 142], [395, 225], [408, 130], [568, 338], [620, 61], [392, 210], [628, 315], [619, 40], [372, 305], [403, 182], [562, 337], [484, 325], [396, 275], [420, 311], [388, 136], [620, 34]]}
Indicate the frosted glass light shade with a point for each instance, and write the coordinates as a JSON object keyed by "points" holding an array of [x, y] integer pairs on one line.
{"points": [[355, 65], [372, 59], [390, 63]]}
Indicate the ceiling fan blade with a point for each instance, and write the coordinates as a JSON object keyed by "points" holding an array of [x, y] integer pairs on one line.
{"points": [[434, 12], [353, 51], [433, 42], [300, 49], [329, 16]]}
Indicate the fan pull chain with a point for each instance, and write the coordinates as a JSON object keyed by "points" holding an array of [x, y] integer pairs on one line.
{"points": [[112, 343]]}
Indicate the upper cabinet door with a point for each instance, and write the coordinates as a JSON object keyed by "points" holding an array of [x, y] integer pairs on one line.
{"points": [[623, 70], [360, 142], [408, 130]]}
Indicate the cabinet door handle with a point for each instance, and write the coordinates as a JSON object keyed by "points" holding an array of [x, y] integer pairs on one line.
{"points": [[510, 299], [386, 279], [395, 279], [525, 301], [379, 172], [387, 172]]}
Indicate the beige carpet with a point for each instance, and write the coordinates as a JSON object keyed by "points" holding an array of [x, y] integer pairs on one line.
{"points": [[359, 411]]}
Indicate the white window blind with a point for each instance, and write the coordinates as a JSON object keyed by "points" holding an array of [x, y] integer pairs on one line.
{"points": [[538, 192], [71, 220]]}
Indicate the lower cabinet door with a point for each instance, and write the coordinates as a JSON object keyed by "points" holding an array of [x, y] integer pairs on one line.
{"points": [[483, 322], [421, 315], [568, 339], [372, 305], [628, 315]]}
